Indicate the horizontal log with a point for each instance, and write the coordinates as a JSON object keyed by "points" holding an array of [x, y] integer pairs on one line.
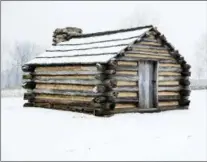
{"points": [[150, 43], [126, 63], [29, 85], [65, 68], [161, 60], [150, 53], [66, 92], [66, 102], [170, 69], [168, 83], [147, 56], [125, 72], [142, 46], [127, 68], [169, 74], [126, 83], [169, 65], [65, 87], [126, 89], [169, 89], [171, 103], [127, 100], [125, 105], [127, 94], [63, 73], [110, 83], [113, 63], [65, 77], [101, 67], [168, 93], [156, 51], [168, 78], [66, 81], [28, 68], [168, 98], [61, 97], [129, 78]]}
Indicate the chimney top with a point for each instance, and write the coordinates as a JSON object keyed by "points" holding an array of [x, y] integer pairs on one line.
{"points": [[64, 34]]}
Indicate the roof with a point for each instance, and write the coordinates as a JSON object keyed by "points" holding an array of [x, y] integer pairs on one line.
{"points": [[97, 47]]}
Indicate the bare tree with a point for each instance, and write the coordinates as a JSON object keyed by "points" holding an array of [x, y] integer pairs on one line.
{"points": [[20, 54], [201, 57]]}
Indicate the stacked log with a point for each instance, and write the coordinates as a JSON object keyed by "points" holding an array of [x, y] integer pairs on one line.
{"points": [[64, 34], [106, 101], [184, 81]]}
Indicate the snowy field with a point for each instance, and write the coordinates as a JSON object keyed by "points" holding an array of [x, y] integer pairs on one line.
{"points": [[43, 134]]}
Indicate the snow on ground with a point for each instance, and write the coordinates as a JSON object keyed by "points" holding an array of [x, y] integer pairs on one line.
{"points": [[43, 134]]}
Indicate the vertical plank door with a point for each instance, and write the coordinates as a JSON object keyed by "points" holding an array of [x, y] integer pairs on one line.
{"points": [[147, 84]]}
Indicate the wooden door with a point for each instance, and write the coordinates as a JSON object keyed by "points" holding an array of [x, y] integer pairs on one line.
{"points": [[148, 84]]}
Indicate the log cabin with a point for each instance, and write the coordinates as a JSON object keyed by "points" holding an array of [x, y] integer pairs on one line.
{"points": [[104, 73]]}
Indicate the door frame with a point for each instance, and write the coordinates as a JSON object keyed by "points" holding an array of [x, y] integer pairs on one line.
{"points": [[155, 84]]}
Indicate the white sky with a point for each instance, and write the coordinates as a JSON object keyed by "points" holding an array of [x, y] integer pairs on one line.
{"points": [[181, 22]]}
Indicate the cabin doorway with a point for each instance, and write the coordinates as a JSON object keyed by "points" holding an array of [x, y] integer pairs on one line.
{"points": [[148, 84]]}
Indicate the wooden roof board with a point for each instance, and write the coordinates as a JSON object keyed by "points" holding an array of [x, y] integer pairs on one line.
{"points": [[81, 50]]}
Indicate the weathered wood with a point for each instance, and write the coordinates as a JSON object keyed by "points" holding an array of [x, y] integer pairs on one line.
{"points": [[170, 69], [61, 101], [113, 63], [169, 74], [186, 66], [168, 93], [29, 85], [184, 102], [28, 68], [101, 67], [185, 81], [29, 96], [127, 100], [106, 106], [138, 55], [186, 73], [65, 87], [64, 77], [28, 104], [66, 81], [126, 105], [61, 97], [170, 103], [126, 83], [55, 68], [125, 72], [127, 68], [161, 60], [100, 99], [111, 83], [185, 92], [66, 92], [110, 94], [168, 98], [124, 62], [99, 112], [127, 94], [168, 78], [27, 76], [65, 73], [169, 89], [126, 89], [168, 83]]}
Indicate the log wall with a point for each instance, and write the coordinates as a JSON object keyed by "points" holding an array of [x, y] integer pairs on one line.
{"points": [[65, 87], [169, 77]]}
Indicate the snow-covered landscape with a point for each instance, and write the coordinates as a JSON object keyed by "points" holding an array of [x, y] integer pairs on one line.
{"points": [[44, 134]]}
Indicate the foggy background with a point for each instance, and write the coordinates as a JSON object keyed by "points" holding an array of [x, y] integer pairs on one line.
{"points": [[27, 28]]}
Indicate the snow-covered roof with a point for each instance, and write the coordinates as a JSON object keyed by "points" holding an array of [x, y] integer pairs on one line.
{"points": [[91, 48]]}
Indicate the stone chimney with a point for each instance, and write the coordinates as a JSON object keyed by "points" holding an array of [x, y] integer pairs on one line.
{"points": [[64, 34]]}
